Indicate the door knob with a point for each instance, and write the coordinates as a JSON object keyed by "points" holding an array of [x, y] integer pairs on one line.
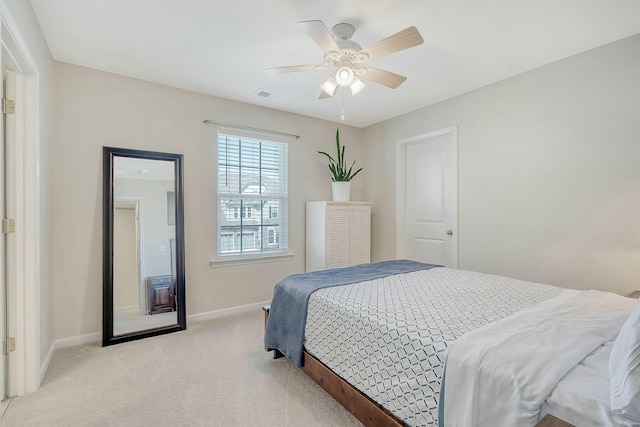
{"points": [[449, 232]]}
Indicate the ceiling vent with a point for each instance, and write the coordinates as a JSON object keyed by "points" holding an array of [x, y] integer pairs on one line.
{"points": [[266, 94]]}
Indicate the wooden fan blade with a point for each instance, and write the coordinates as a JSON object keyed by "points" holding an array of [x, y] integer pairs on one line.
{"points": [[402, 40], [324, 95], [320, 34], [386, 78], [295, 68]]}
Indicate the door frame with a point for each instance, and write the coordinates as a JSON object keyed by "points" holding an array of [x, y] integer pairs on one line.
{"points": [[140, 251], [23, 321], [4, 368], [401, 146]]}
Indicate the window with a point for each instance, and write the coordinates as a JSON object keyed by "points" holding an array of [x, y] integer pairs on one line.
{"points": [[273, 237], [226, 242], [252, 196], [273, 212]]}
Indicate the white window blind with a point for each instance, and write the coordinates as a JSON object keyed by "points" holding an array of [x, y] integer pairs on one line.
{"points": [[252, 185]]}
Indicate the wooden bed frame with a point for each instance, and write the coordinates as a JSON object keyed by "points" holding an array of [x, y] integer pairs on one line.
{"points": [[359, 404], [370, 413]]}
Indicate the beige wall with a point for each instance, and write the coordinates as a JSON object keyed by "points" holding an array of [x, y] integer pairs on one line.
{"points": [[94, 109], [28, 31], [549, 171]]}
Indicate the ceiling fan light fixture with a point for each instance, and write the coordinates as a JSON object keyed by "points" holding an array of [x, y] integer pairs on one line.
{"points": [[357, 86], [345, 76], [329, 87], [348, 59]]}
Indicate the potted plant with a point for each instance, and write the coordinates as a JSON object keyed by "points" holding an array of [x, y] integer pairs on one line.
{"points": [[340, 176]]}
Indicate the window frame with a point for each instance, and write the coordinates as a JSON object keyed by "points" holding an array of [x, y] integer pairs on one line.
{"points": [[266, 252]]}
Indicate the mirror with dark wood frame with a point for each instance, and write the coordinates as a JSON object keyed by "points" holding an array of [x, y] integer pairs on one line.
{"points": [[143, 277]]}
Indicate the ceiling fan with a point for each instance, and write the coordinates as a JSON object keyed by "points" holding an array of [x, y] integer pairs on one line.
{"points": [[349, 59]]}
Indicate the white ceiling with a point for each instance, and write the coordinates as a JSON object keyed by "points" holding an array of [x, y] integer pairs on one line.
{"points": [[222, 48]]}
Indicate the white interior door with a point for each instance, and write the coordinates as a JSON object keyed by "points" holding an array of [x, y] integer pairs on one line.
{"points": [[3, 278], [11, 243], [126, 275], [427, 198]]}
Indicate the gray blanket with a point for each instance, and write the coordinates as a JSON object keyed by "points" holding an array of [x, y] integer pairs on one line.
{"points": [[288, 313]]}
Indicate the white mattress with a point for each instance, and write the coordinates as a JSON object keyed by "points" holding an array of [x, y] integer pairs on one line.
{"points": [[582, 396], [389, 337]]}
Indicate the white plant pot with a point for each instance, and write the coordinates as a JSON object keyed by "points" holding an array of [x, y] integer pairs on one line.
{"points": [[341, 191]]}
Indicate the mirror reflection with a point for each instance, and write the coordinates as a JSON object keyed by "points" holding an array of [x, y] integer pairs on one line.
{"points": [[143, 245], [144, 255]]}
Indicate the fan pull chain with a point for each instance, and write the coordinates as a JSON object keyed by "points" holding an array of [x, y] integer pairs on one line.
{"points": [[342, 116]]}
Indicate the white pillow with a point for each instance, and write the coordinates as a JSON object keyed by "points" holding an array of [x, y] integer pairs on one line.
{"points": [[624, 369]]}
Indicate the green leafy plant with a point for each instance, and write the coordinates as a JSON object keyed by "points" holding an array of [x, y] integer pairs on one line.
{"points": [[338, 167]]}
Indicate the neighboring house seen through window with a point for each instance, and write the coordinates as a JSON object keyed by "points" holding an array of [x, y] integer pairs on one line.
{"points": [[252, 196]]}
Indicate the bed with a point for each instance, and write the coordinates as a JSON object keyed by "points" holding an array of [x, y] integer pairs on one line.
{"points": [[383, 338]]}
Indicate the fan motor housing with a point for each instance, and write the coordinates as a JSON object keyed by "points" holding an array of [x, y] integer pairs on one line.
{"points": [[342, 31], [342, 34], [349, 49]]}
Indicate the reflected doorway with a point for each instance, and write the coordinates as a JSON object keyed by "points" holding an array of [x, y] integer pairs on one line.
{"points": [[128, 292]]}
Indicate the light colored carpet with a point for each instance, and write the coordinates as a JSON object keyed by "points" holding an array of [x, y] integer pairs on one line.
{"points": [[216, 373]]}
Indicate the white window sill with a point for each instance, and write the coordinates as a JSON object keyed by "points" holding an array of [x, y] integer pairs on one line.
{"points": [[227, 261]]}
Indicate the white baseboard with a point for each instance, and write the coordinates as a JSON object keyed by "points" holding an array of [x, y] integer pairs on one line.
{"points": [[4, 405], [125, 309], [225, 312], [96, 337], [91, 338], [47, 360]]}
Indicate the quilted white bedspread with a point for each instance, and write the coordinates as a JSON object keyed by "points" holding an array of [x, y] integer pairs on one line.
{"points": [[389, 337], [500, 375]]}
